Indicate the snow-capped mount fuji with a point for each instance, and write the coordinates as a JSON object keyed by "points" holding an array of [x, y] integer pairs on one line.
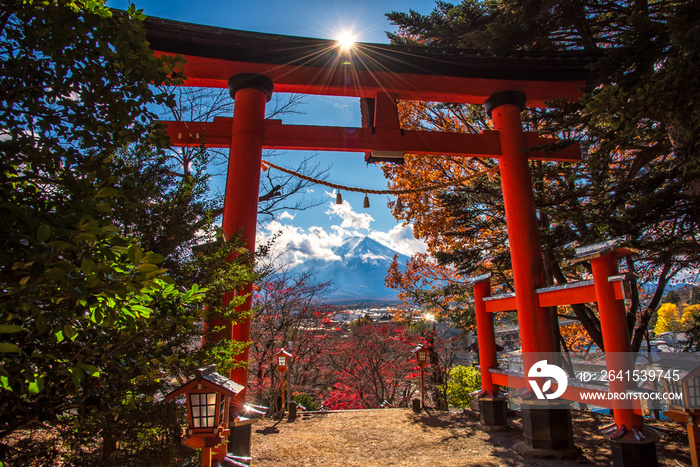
{"points": [[358, 273]]}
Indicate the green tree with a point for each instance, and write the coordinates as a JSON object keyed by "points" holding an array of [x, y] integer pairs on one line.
{"points": [[694, 295], [89, 323], [672, 297]]}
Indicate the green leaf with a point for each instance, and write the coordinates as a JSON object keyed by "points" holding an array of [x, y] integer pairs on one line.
{"points": [[147, 267], [77, 374], [55, 274], [6, 347], [135, 253], [86, 236], [97, 315], [43, 233], [40, 323], [91, 370], [168, 280], [70, 332], [142, 310], [87, 266], [10, 328], [107, 191], [35, 387], [154, 258]]}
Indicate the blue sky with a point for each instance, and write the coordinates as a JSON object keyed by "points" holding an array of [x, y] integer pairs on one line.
{"points": [[326, 225]]}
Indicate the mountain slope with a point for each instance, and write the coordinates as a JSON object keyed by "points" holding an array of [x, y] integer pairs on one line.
{"points": [[358, 276]]}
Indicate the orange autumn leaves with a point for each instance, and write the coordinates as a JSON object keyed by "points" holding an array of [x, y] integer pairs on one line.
{"points": [[424, 281], [431, 220]]}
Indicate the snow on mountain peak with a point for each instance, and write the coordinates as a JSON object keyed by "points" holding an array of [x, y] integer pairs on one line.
{"points": [[365, 248], [360, 271]]}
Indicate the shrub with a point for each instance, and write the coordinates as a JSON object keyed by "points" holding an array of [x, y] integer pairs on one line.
{"points": [[307, 400], [463, 381]]}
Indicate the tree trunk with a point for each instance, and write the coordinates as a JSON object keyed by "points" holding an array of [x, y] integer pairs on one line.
{"points": [[109, 445]]}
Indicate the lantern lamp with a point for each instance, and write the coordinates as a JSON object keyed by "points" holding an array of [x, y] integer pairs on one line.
{"points": [[208, 397], [422, 359], [282, 358], [421, 355]]}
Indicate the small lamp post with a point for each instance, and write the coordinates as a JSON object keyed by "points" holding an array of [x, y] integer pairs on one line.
{"points": [[208, 396], [422, 359], [282, 358]]}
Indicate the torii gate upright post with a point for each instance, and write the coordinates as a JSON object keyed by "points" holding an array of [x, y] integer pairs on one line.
{"points": [[543, 427], [251, 92], [628, 444]]}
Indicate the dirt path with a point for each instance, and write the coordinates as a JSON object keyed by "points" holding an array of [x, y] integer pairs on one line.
{"points": [[398, 437]]}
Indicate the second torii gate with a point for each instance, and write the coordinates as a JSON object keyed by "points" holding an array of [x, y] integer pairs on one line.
{"points": [[252, 66]]}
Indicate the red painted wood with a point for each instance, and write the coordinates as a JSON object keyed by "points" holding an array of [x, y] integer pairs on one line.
{"points": [[616, 337], [584, 294], [500, 304], [572, 393], [241, 199], [485, 335], [347, 139], [336, 81], [536, 332]]}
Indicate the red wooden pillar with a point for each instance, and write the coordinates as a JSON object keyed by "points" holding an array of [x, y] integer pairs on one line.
{"points": [[628, 444], [486, 337], [251, 92], [493, 408], [536, 333], [548, 426], [616, 338]]}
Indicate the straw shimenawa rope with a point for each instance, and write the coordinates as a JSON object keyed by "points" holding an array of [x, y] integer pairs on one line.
{"points": [[490, 172]]}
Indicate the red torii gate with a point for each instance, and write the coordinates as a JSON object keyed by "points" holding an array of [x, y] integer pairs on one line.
{"points": [[252, 65]]}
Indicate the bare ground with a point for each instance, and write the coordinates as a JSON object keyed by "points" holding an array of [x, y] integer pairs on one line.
{"points": [[398, 437]]}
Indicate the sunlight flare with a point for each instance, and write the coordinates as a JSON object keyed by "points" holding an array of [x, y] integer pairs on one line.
{"points": [[346, 40]]}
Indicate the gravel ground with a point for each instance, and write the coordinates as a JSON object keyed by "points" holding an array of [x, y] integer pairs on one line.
{"points": [[398, 437]]}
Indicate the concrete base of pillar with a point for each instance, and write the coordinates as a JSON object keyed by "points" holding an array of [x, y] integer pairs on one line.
{"points": [[415, 404], [526, 450], [547, 425], [630, 452], [292, 410], [239, 440], [493, 413]]}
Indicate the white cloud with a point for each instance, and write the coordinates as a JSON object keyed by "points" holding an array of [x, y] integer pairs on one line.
{"points": [[401, 239], [286, 215], [295, 245], [350, 219]]}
